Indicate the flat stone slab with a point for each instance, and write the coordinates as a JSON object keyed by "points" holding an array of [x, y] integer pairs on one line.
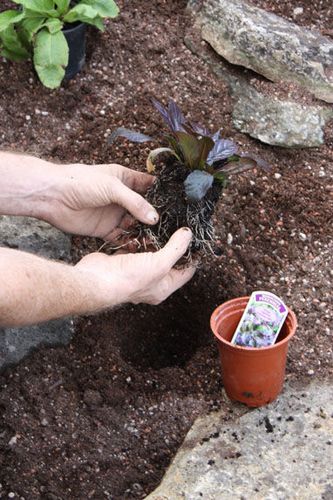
{"points": [[268, 44], [281, 451], [272, 120], [34, 236], [278, 122]]}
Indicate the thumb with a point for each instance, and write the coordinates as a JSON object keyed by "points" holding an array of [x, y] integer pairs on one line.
{"points": [[132, 202]]}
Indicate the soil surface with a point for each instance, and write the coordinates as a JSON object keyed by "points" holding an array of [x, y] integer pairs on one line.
{"points": [[314, 14], [103, 417]]}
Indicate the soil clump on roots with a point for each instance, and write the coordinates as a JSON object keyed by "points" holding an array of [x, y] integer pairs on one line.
{"points": [[168, 197]]}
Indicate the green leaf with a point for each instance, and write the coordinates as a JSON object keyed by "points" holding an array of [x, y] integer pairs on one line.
{"points": [[174, 145], [63, 6], [104, 8], [53, 25], [190, 147], [51, 57], [206, 144], [29, 26], [85, 14], [219, 177], [194, 150], [11, 45], [41, 6], [9, 17]]}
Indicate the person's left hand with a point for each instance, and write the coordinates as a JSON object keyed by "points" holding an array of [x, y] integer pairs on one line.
{"points": [[94, 200]]}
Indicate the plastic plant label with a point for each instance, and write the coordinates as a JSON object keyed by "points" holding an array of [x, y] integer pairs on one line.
{"points": [[261, 322]]}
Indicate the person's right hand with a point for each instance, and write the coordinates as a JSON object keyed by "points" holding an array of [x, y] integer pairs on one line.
{"points": [[146, 277]]}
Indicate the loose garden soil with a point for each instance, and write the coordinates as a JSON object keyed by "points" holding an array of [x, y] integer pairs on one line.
{"points": [[103, 417]]}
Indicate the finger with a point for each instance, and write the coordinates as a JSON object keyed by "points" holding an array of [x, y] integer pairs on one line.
{"points": [[174, 249], [115, 236], [127, 222], [178, 278], [139, 181], [123, 241], [174, 280], [122, 251], [132, 201]]}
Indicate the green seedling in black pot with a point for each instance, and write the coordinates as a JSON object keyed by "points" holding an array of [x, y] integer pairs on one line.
{"points": [[36, 31]]}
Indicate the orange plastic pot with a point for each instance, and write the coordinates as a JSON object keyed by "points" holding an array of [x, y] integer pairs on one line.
{"points": [[253, 376]]}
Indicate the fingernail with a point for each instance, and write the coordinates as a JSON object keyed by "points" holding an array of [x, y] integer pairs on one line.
{"points": [[188, 231], [152, 216]]}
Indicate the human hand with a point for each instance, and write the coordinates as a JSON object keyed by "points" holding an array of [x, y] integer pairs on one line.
{"points": [[94, 200], [146, 277]]}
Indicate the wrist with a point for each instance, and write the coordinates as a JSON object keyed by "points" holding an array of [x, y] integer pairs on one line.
{"points": [[102, 285], [29, 186]]}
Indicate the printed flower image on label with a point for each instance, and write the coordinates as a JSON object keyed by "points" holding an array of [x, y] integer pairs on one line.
{"points": [[261, 322]]}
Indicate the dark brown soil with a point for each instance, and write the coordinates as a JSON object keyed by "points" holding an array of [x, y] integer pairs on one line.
{"points": [[103, 417], [313, 14]]}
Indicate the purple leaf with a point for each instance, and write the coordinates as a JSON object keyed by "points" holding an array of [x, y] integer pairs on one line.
{"points": [[176, 116], [216, 136], [223, 148], [238, 166], [129, 134], [172, 115], [198, 129], [197, 183], [259, 161]]}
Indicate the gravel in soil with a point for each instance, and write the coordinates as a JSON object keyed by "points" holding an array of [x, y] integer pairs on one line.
{"points": [[312, 14], [103, 417]]}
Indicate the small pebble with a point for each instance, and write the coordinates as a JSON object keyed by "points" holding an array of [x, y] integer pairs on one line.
{"points": [[230, 239], [12, 441], [44, 422], [310, 372], [297, 11], [302, 236], [28, 117], [277, 176]]}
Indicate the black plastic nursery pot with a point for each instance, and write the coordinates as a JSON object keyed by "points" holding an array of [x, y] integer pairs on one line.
{"points": [[75, 35]]}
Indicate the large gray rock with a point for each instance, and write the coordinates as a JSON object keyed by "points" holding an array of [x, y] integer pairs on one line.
{"points": [[272, 120], [269, 45], [278, 122], [282, 451], [36, 237]]}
